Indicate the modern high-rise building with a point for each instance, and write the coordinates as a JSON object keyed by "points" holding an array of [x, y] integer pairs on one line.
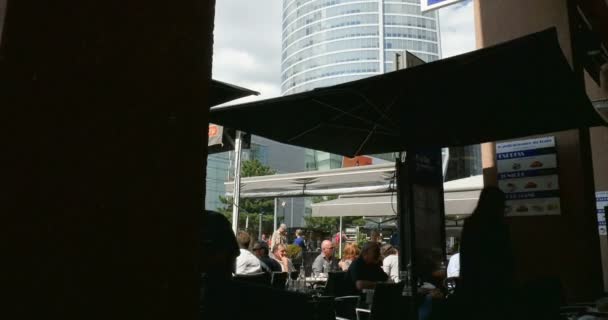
{"points": [[327, 42]]}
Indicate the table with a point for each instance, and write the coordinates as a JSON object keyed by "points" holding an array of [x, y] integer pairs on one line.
{"points": [[316, 282], [316, 279]]}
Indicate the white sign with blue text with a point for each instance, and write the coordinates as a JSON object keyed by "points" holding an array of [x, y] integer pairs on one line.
{"points": [[601, 201], [428, 5], [527, 173]]}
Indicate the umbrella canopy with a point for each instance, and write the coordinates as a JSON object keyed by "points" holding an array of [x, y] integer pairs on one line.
{"points": [[222, 92], [354, 180], [460, 198], [517, 88]]}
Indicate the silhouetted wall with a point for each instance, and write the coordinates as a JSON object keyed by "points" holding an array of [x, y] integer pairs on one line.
{"points": [[105, 107], [565, 246]]}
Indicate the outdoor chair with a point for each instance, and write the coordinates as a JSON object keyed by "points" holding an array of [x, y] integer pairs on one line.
{"points": [[346, 307], [323, 308], [336, 285], [261, 278], [572, 311], [279, 279], [309, 258], [451, 285], [387, 303]]}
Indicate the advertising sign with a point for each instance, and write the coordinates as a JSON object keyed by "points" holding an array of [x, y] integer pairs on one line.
{"points": [[215, 134], [428, 5], [527, 173], [221, 139], [601, 201], [356, 161]]}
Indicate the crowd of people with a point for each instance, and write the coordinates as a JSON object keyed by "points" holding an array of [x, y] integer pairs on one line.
{"points": [[483, 266], [363, 267]]}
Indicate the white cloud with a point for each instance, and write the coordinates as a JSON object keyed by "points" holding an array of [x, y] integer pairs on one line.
{"points": [[457, 28], [247, 42], [247, 45]]}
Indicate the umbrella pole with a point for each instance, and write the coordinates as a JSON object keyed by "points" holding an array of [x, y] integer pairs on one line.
{"points": [[340, 245], [276, 208], [237, 181], [260, 228]]}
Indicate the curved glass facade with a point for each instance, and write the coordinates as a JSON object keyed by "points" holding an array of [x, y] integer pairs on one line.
{"points": [[327, 42]]}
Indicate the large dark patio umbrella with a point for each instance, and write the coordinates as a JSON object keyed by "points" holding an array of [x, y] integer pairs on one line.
{"points": [[517, 88], [222, 92]]}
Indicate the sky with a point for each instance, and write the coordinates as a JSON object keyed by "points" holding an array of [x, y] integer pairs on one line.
{"points": [[247, 42]]}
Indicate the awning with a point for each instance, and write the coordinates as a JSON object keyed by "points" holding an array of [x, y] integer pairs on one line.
{"points": [[460, 197], [518, 88], [354, 180], [222, 92]]}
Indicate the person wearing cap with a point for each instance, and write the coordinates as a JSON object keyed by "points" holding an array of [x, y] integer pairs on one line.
{"points": [[246, 262], [260, 250], [228, 299]]}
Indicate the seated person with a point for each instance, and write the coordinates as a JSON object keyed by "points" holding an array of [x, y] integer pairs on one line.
{"points": [[325, 262], [390, 264], [454, 266], [280, 255], [366, 271], [246, 262], [351, 253], [218, 261], [260, 250]]}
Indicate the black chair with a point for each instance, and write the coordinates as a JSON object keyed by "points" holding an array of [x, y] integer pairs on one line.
{"points": [[261, 278], [337, 284], [451, 285], [279, 279], [323, 308], [542, 298], [309, 258], [387, 303], [346, 307], [294, 275]]}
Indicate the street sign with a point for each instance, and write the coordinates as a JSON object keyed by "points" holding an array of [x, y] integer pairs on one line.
{"points": [[428, 5]]}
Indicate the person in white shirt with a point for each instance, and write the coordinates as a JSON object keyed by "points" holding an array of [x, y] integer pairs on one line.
{"points": [[454, 266], [246, 262], [390, 264]]}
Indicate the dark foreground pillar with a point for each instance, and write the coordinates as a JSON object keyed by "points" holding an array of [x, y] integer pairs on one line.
{"points": [[105, 114]]}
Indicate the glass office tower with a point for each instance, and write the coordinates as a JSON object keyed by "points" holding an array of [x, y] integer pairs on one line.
{"points": [[327, 42]]}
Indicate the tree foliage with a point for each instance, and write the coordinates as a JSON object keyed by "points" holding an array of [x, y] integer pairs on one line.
{"points": [[252, 208]]}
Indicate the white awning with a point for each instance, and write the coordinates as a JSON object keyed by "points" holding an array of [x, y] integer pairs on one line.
{"points": [[355, 180], [460, 197]]}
